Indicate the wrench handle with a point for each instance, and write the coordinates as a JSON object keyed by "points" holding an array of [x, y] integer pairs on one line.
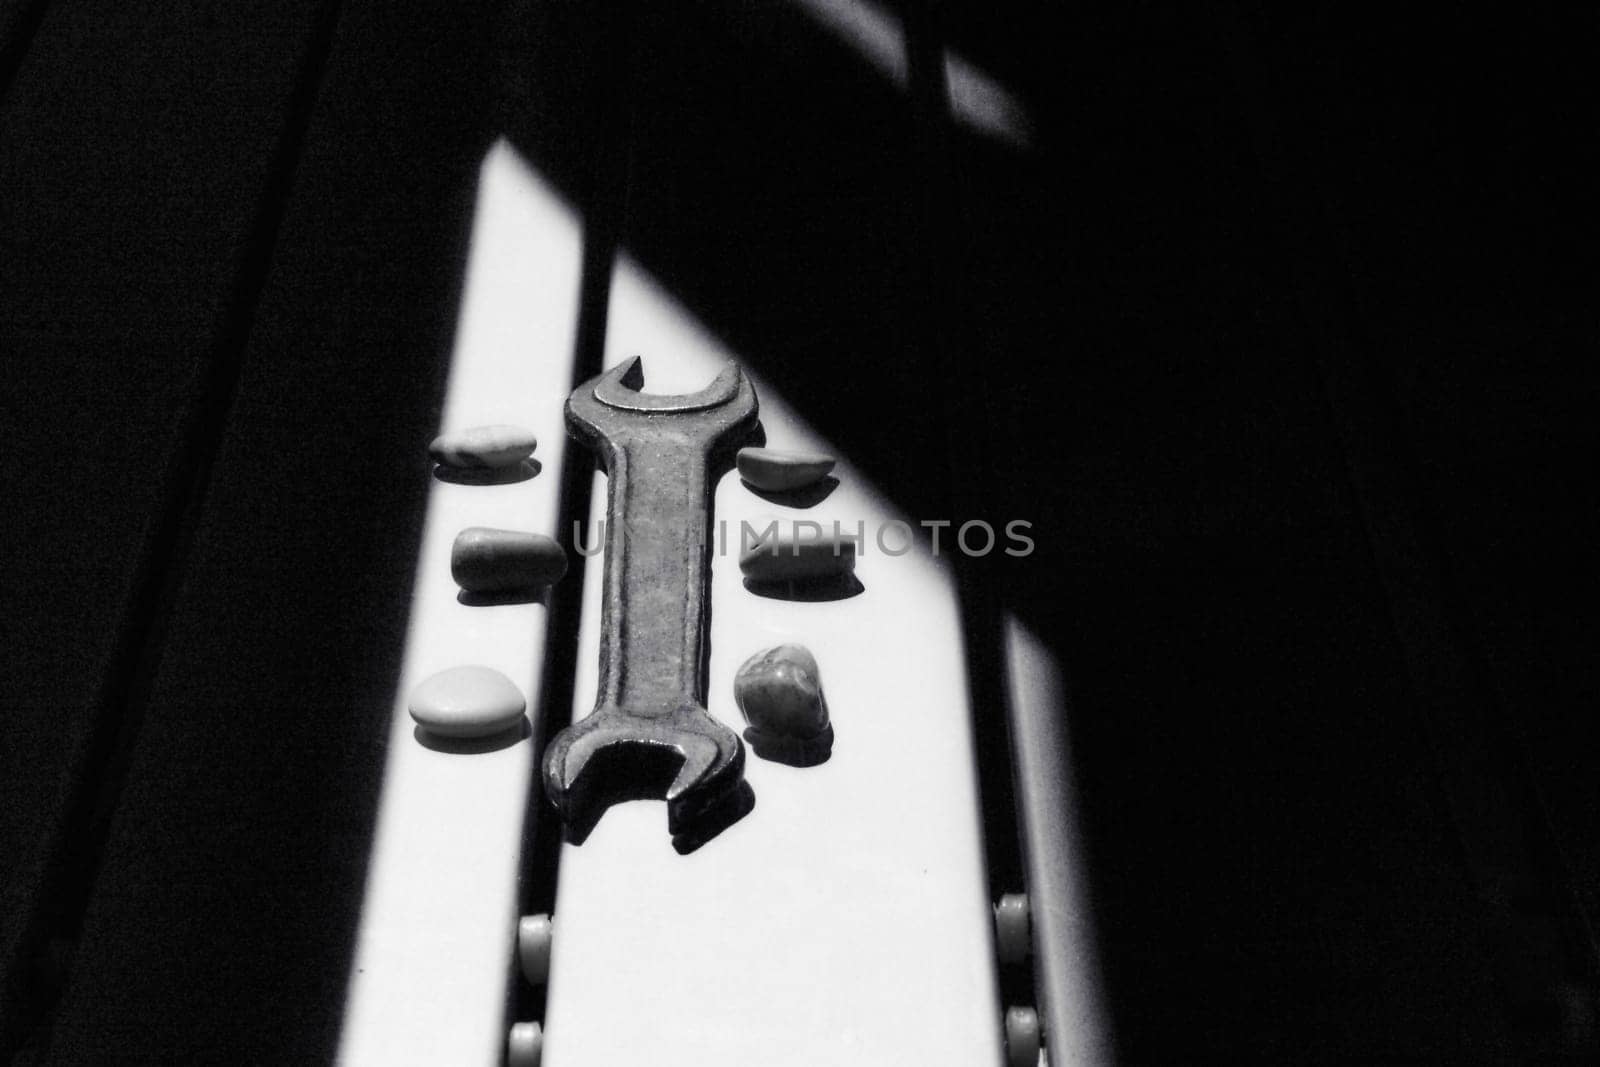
{"points": [[657, 558]]}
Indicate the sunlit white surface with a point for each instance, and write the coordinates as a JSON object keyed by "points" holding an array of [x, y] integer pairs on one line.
{"points": [[874, 33], [977, 101], [439, 920], [845, 920], [983, 105]]}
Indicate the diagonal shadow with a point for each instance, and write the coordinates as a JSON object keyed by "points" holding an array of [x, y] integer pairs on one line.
{"points": [[1098, 331], [1103, 323]]}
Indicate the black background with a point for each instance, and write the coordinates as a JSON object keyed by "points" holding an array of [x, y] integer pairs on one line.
{"points": [[1280, 333]]}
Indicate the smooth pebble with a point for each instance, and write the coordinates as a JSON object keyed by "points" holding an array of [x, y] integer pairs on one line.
{"points": [[779, 692], [466, 702], [524, 1045], [484, 447], [485, 560], [775, 470], [790, 558], [534, 936]]}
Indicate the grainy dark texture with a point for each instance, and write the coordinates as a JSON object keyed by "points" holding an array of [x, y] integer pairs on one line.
{"points": [[218, 922], [1280, 332], [139, 150]]}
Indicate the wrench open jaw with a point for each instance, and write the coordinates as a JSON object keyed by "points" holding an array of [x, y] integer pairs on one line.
{"points": [[620, 388], [689, 759], [650, 735]]}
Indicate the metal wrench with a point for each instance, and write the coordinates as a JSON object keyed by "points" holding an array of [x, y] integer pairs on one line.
{"points": [[662, 455]]}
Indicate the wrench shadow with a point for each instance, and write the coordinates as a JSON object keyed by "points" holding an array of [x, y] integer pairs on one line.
{"points": [[734, 805]]}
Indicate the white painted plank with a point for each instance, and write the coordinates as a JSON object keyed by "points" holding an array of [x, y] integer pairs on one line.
{"points": [[845, 920], [428, 981]]}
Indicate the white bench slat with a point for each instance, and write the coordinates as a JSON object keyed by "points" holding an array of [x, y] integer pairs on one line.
{"points": [[845, 920], [439, 921]]}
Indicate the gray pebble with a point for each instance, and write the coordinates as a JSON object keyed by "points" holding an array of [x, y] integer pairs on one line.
{"points": [[466, 702], [484, 560], [789, 558], [779, 691], [484, 447], [775, 470]]}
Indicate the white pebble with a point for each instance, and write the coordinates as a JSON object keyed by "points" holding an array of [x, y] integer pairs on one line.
{"points": [[484, 447], [776, 470], [467, 702]]}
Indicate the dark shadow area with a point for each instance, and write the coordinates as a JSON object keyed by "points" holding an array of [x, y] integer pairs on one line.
{"points": [[524, 470], [819, 590], [1107, 330], [768, 193], [1274, 332], [68, 300], [806, 496], [247, 794], [19, 21]]}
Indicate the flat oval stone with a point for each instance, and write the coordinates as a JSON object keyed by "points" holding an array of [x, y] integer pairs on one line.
{"points": [[466, 702], [484, 447], [779, 692], [788, 557], [775, 470], [485, 560]]}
